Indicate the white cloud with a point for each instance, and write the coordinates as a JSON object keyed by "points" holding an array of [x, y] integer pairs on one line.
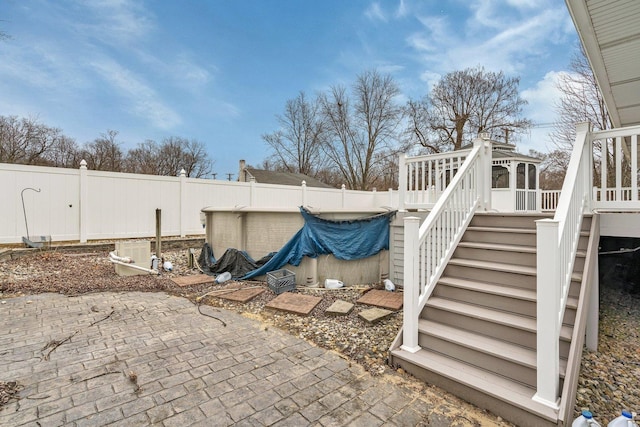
{"points": [[430, 78], [493, 37], [525, 4], [375, 13], [190, 72], [143, 101], [388, 68], [402, 10], [542, 99], [119, 22]]}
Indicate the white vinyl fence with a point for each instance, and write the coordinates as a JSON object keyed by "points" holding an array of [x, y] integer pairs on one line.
{"points": [[81, 205]]}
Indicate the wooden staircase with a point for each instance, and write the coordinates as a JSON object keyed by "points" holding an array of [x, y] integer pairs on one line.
{"points": [[477, 331]]}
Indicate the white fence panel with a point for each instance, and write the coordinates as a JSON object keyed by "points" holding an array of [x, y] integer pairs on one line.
{"points": [[130, 201], [276, 196], [51, 212], [321, 198], [201, 193], [79, 204]]}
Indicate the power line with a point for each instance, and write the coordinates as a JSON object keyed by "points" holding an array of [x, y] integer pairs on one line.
{"points": [[542, 125]]}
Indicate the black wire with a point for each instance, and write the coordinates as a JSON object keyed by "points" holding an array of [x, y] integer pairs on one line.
{"points": [[209, 315]]}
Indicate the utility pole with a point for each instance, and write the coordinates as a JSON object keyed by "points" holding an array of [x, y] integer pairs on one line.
{"points": [[229, 175]]}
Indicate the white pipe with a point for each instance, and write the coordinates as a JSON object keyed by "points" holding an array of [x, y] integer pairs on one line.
{"points": [[621, 251], [123, 259], [137, 267]]}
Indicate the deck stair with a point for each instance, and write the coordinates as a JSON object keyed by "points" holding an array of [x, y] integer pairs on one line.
{"points": [[477, 331]]}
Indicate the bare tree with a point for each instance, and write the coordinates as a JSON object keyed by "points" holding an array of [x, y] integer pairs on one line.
{"points": [[418, 129], [143, 158], [297, 145], [553, 168], [169, 157], [362, 134], [178, 153], [25, 140], [465, 103], [581, 101], [63, 153], [104, 153]]}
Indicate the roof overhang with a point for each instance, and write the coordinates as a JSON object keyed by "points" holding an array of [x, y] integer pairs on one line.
{"points": [[610, 34]]}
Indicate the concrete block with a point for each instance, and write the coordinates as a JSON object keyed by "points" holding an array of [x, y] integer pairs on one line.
{"points": [[373, 315], [339, 308]]}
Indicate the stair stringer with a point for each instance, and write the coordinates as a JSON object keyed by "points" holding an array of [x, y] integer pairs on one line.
{"points": [[589, 280]]}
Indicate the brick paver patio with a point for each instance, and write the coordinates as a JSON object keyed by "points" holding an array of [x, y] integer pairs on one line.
{"points": [[137, 359]]}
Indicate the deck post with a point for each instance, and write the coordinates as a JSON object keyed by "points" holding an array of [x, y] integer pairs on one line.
{"points": [[548, 316], [411, 285], [591, 334], [484, 173], [303, 188], [183, 202], [402, 181], [84, 202]]}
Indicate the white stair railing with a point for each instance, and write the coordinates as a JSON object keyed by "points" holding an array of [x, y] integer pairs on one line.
{"points": [[549, 200], [616, 157], [423, 179], [427, 248], [557, 243]]}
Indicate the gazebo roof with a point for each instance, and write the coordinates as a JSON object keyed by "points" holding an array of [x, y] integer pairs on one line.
{"points": [[505, 151], [506, 155]]}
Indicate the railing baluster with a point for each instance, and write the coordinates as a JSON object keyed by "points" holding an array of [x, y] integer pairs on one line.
{"points": [[634, 167], [604, 154], [618, 159]]}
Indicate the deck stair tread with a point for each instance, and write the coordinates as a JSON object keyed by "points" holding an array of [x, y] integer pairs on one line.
{"points": [[499, 266], [498, 247], [476, 378], [497, 289], [502, 229], [541, 215], [495, 347], [524, 323], [506, 247], [521, 230]]}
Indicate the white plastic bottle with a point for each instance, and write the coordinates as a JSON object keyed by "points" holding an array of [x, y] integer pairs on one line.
{"points": [[585, 420], [624, 420], [223, 277]]}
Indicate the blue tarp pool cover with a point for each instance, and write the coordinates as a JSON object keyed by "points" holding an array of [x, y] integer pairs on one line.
{"points": [[344, 239]]}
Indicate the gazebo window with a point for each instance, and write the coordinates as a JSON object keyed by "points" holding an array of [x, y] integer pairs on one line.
{"points": [[499, 177], [520, 176], [532, 176]]}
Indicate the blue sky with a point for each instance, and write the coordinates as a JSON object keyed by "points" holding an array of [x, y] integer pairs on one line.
{"points": [[219, 71]]}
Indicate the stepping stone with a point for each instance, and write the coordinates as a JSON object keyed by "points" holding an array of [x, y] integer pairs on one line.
{"points": [[294, 303], [242, 295], [373, 315], [384, 299], [196, 279], [339, 308]]}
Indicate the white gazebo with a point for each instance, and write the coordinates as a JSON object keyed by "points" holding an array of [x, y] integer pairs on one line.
{"points": [[515, 179]]}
